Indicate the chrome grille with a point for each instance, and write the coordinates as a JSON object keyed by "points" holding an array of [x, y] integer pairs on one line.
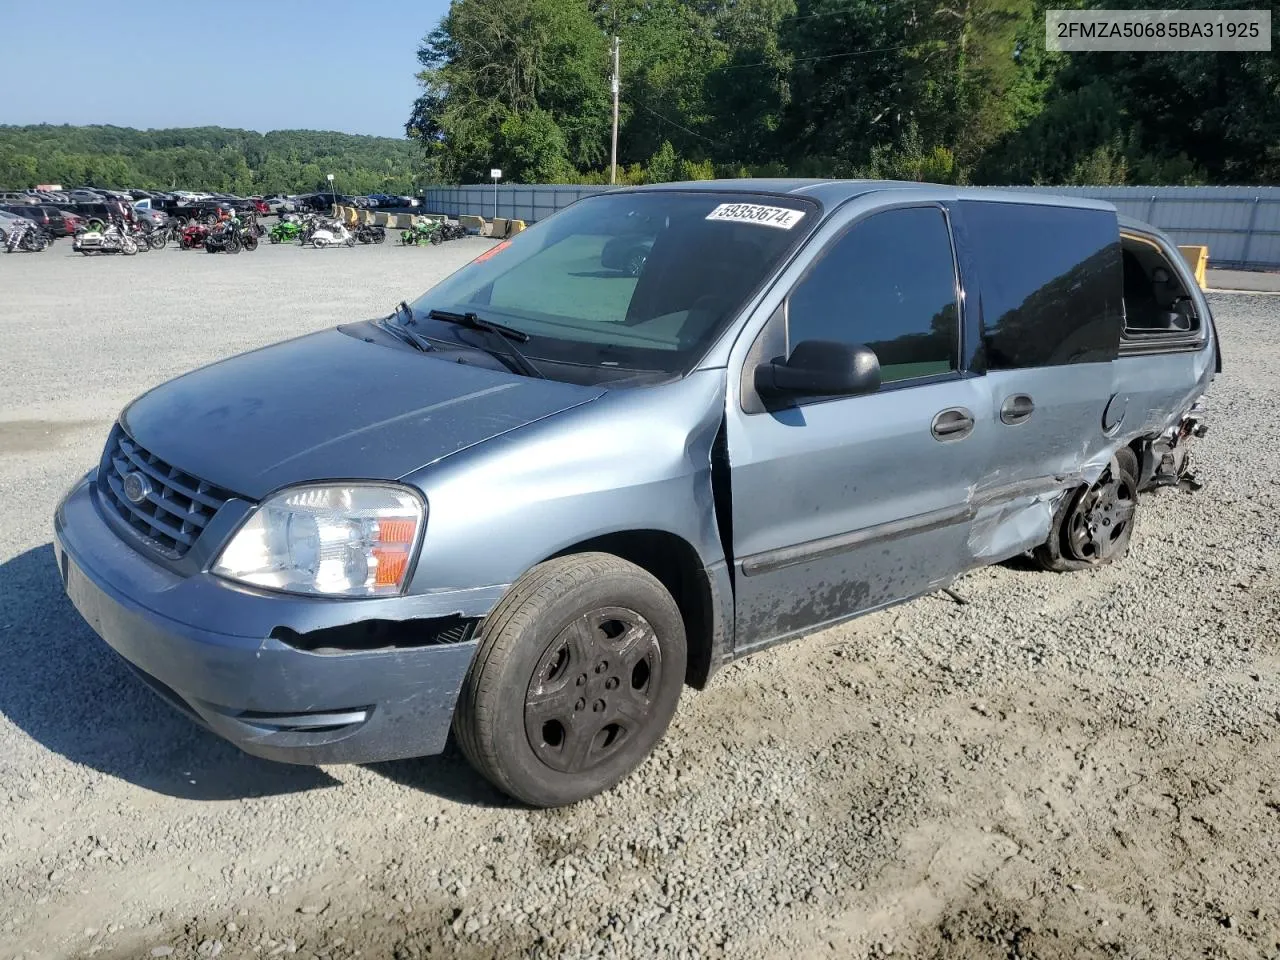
{"points": [[175, 508]]}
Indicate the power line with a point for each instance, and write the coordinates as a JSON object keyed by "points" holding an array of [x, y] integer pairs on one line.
{"points": [[833, 56], [840, 10], [678, 126]]}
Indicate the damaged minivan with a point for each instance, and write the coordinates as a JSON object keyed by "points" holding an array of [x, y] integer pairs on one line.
{"points": [[659, 430]]}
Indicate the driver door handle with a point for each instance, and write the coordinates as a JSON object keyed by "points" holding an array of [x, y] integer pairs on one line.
{"points": [[1017, 409], [955, 423]]}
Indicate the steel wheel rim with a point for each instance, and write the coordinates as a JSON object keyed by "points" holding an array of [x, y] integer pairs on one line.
{"points": [[593, 690], [1102, 519]]}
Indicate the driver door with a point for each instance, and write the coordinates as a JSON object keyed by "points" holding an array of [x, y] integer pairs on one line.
{"points": [[842, 505]]}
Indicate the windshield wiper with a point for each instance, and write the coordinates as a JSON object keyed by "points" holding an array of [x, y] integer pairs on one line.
{"points": [[402, 332], [500, 333]]}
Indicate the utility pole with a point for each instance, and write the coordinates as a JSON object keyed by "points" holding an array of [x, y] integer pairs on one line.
{"points": [[613, 162]]}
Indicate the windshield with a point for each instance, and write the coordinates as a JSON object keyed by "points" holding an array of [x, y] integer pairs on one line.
{"points": [[639, 281]]}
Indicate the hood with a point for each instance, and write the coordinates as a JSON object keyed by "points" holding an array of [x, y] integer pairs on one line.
{"points": [[330, 406]]}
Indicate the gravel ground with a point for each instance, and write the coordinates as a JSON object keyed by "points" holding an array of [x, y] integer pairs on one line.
{"points": [[1078, 765]]}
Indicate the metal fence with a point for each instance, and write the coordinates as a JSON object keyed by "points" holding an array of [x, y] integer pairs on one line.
{"points": [[1239, 225], [512, 201]]}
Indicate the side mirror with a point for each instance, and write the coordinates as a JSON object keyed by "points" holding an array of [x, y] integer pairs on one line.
{"points": [[821, 368]]}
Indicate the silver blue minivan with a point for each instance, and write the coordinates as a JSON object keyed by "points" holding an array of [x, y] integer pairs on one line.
{"points": [[660, 430]]}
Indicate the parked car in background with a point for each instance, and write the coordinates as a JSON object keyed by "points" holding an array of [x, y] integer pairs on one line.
{"points": [[46, 216], [99, 210], [150, 217]]}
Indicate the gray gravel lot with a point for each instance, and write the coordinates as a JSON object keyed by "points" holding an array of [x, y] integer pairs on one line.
{"points": [[1078, 765]]}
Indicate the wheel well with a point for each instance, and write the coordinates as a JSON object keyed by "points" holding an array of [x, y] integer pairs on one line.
{"points": [[675, 563]]}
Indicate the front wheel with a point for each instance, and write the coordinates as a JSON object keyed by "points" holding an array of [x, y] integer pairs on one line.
{"points": [[158, 239], [1094, 526], [577, 675], [251, 243]]}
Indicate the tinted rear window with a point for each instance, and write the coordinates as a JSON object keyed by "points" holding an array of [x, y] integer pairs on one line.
{"points": [[1051, 283]]}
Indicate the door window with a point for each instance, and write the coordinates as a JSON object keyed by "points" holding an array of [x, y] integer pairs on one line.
{"points": [[889, 283]]}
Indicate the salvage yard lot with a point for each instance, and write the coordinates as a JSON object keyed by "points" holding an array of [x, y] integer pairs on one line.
{"points": [[1068, 765]]}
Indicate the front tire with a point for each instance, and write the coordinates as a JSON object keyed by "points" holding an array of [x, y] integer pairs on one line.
{"points": [[1094, 526], [577, 675]]}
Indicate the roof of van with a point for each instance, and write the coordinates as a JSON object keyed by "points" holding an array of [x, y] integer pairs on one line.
{"points": [[833, 192]]}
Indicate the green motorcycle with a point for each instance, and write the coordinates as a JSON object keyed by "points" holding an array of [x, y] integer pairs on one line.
{"points": [[424, 231], [284, 231]]}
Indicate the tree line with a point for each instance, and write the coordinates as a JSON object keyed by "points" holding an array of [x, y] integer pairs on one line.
{"points": [[960, 91], [241, 162]]}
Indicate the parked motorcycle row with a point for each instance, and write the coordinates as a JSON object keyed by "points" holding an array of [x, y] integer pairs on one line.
{"points": [[118, 236], [228, 235], [431, 231], [320, 231]]}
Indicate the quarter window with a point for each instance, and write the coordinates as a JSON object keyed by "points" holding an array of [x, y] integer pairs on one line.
{"points": [[889, 283], [1051, 281]]}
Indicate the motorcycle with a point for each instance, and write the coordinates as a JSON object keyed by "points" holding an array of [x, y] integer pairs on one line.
{"points": [[35, 240], [231, 236], [370, 233], [141, 236], [284, 231], [170, 231], [192, 236], [422, 231], [330, 234], [28, 237], [98, 237]]}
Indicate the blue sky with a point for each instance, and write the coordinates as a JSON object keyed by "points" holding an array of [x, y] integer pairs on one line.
{"points": [[265, 65]]}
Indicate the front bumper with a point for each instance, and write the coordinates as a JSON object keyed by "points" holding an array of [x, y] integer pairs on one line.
{"points": [[206, 646]]}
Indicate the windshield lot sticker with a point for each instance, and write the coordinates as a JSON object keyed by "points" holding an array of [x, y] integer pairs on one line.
{"points": [[780, 217]]}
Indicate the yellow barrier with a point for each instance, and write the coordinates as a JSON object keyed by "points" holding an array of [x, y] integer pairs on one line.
{"points": [[473, 224], [1197, 258], [498, 227], [514, 226]]}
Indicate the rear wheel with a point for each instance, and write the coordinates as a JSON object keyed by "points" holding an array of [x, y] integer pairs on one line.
{"points": [[251, 243], [158, 239], [319, 242], [1094, 527], [577, 675], [128, 246]]}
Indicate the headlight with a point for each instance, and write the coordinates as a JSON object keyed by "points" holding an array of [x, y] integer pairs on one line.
{"points": [[345, 540]]}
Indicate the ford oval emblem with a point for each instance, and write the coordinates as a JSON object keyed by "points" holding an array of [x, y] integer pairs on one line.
{"points": [[136, 487]]}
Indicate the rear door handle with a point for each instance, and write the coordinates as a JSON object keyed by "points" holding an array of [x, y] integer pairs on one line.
{"points": [[953, 424], [1017, 409]]}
